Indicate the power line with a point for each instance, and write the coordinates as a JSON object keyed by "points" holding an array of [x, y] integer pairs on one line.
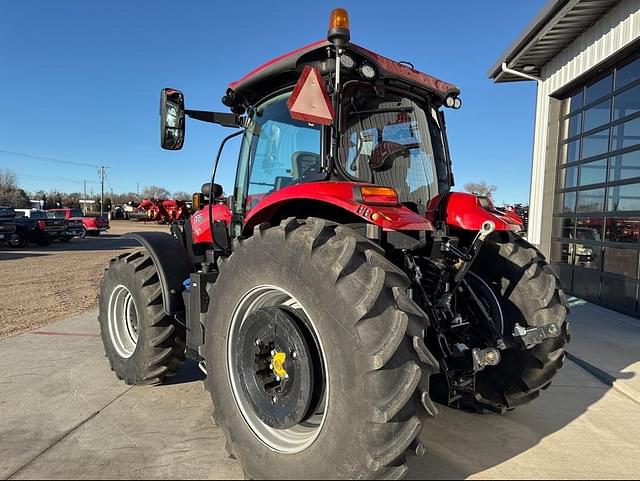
{"points": [[47, 159], [55, 179]]}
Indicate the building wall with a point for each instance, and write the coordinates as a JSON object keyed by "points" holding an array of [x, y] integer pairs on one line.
{"points": [[619, 29]]}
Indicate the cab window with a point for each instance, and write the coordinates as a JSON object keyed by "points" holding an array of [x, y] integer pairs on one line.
{"points": [[279, 152]]}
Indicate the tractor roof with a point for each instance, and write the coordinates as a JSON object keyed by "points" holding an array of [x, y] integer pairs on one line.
{"points": [[286, 69]]}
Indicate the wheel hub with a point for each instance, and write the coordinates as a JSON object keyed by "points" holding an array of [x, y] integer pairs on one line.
{"points": [[275, 367]]}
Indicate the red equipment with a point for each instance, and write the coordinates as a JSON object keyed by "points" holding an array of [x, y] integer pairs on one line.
{"points": [[165, 211]]}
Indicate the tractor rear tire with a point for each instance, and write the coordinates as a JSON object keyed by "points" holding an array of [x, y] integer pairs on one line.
{"points": [[142, 343], [529, 293], [370, 337]]}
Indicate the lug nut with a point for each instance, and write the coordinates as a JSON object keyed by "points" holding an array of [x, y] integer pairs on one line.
{"points": [[294, 355], [492, 357], [273, 353], [274, 399], [278, 378]]}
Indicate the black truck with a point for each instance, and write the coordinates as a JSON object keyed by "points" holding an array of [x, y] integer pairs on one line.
{"points": [[7, 224], [35, 226]]}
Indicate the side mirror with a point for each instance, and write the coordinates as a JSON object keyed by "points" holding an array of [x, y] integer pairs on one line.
{"points": [[172, 124]]}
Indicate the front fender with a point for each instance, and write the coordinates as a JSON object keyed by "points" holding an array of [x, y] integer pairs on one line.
{"points": [[341, 195], [469, 212], [173, 264]]}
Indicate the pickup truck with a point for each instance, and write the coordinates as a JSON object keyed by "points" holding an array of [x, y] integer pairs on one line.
{"points": [[91, 225], [35, 226], [7, 224]]}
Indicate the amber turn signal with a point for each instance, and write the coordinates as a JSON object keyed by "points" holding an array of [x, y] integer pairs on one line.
{"points": [[198, 201], [373, 195]]}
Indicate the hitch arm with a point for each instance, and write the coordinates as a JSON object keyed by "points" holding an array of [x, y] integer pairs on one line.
{"points": [[468, 258]]}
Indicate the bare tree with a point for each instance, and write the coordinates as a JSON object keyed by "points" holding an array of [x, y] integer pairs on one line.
{"points": [[8, 180], [155, 192], [182, 196], [481, 188], [16, 198]]}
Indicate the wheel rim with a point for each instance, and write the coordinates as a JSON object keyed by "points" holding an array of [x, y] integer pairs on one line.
{"points": [[288, 440], [123, 322], [15, 240]]}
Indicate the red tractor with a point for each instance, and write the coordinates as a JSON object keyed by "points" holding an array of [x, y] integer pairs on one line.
{"points": [[344, 289]]}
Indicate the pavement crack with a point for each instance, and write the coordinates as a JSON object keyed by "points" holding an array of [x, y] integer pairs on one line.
{"points": [[66, 435]]}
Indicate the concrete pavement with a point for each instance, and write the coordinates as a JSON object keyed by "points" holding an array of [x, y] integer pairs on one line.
{"points": [[64, 415]]}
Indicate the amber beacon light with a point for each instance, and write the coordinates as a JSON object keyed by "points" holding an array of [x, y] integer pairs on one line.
{"points": [[339, 27]]}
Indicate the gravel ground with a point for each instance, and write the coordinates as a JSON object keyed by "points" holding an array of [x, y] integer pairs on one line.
{"points": [[42, 285]]}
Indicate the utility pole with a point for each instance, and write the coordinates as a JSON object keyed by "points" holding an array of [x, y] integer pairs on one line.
{"points": [[84, 205], [102, 174]]}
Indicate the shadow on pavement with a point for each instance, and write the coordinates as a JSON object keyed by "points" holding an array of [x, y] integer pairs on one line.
{"points": [[459, 445], [17, 254], [189, 372], [97, 244]]}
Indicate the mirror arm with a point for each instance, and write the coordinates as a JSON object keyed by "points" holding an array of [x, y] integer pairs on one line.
{"points": [[226, 120]]}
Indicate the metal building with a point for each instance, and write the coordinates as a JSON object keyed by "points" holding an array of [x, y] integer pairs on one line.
{"points": [[584, 214]]}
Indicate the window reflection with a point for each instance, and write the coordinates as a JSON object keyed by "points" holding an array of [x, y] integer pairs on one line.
{"points": [[566, 203], [624, 198], [626, 135], [587, 256], [564, 227], [597, 115], [595, 144], [569, 177], [627, 103], [628, 74], [572, 126], [575, 102], [562, 252], [593, 172], [599, 89], [623, 230], [589, 229], [626, 166], [571, 152], [590, 201], [621, 261]]}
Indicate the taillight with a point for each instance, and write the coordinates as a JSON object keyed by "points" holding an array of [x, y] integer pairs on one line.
{"points": [[374, 195], [42, 225]]}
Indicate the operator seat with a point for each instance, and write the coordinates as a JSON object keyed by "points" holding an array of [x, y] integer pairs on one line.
{"points": [[304, 165]]}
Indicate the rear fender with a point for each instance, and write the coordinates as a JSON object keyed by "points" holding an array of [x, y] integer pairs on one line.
{"points": [[469, 212], [335, 195], [173, 264]]}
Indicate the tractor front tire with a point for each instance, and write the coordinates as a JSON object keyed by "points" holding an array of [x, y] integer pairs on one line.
{"points": [[371, 370], [142, 343], [529, 293]]}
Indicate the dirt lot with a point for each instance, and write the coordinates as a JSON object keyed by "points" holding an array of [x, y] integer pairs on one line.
{"points": [[42, 285]]}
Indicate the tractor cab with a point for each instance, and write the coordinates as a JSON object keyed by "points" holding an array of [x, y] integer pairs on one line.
{"points": [[336, 128]]}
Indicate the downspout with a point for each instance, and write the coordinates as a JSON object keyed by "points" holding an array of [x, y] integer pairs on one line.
{"points": [[506, 69], [538, 80]]}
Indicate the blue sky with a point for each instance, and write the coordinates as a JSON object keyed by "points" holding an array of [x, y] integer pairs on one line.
{"points": [[81, 81]]}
